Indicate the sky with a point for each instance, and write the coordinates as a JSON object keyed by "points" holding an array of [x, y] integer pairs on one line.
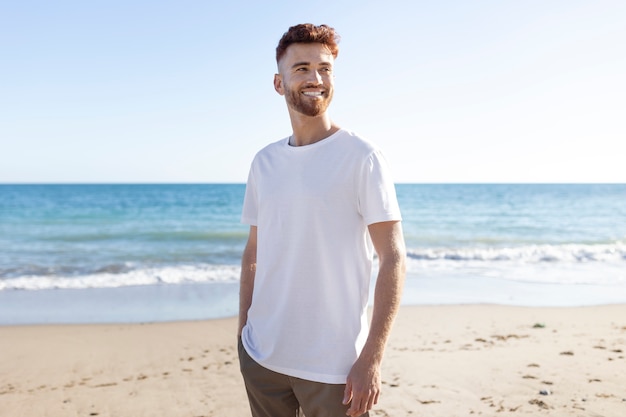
{"points": [[151, 91]]}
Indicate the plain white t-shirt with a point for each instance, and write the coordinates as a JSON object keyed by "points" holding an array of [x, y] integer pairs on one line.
{"points": [[312, 205]]}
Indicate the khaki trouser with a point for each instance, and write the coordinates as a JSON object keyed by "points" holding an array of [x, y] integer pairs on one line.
{"points": [[276, 395]]}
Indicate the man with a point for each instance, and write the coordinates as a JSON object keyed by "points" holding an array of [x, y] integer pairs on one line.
{"points": [[318, 203]]}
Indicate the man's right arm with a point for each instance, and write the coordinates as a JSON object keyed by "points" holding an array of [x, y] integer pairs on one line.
{"points": [[248, 271]]}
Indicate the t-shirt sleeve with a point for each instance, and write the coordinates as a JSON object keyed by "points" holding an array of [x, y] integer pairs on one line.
{"points": [[250, 210], [377, 193]]}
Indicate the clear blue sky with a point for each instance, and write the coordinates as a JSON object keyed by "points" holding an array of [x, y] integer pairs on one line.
{"points": [[181, 91]]}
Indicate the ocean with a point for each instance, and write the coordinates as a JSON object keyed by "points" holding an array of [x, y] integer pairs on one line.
{"points": [[143, 253]]}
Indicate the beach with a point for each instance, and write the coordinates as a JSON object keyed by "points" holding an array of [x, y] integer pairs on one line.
{"points": [[454, 360]]}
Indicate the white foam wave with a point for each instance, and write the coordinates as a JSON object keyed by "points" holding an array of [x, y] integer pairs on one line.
{"points": [[533, 254], [602, 264], [148, 276], [565, 264]]}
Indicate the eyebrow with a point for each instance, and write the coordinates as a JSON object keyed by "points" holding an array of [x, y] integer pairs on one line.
{"points": [[301, 64], [307, 64]]}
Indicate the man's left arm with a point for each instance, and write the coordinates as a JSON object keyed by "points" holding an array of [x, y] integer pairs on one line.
{"points": [[363, 383]]}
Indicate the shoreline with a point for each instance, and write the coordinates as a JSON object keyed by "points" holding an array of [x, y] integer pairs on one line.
{"points": [[213, 300], [444, 360]]}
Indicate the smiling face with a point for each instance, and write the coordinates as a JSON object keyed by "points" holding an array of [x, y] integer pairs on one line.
{"points": [[306, 78]]}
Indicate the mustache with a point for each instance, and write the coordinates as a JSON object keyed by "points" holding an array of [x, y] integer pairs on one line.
{"points": [[315, 85]]}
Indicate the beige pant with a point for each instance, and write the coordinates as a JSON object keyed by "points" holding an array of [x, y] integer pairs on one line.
{"points": [[276, 395]]}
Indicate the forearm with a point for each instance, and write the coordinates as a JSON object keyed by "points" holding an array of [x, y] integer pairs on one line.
{"points": [[387, 297], [246, 284]]}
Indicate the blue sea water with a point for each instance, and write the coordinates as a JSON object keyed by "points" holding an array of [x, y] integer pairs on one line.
{"points": [[115, 253]]}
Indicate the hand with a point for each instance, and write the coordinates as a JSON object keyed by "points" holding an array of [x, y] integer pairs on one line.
{"points": [[362, 387]]}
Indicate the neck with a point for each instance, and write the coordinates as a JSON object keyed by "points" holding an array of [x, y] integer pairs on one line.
{"points": [[308, 130]]}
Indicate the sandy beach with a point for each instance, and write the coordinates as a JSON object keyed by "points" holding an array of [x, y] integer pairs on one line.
{"points": [[441, 361]]}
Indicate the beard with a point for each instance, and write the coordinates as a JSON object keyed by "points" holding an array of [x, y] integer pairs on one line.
{"points": [[308, 106]]}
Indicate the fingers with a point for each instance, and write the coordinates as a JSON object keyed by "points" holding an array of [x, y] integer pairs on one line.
{"points": [[361, 403]]}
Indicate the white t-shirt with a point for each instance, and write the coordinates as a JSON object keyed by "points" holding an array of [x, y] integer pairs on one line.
{"points": [[312, 205]]}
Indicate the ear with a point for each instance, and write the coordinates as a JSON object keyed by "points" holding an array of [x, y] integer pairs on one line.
{"points": [[278, 84]]}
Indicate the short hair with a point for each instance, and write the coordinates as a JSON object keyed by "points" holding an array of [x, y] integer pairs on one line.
{"points": [[308, 33]]}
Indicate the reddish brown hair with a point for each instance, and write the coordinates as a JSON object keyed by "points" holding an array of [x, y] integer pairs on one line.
{"points": [[308, 33]]}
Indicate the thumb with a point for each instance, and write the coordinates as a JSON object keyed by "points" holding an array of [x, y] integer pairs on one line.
{"points": [[347, 393]]}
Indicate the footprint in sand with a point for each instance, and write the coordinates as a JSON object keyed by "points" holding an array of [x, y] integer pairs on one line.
{"points": [[106, 384], [539, 403]]}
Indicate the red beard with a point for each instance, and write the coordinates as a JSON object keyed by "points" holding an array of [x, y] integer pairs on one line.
{"points": [[308, 106]]}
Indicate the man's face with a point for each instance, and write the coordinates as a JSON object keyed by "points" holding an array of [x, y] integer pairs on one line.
{"points": [[306, 78]]}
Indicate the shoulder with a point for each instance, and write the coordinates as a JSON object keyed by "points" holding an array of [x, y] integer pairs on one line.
{"points": [[271, 149], [273, 146], [357, 142]]}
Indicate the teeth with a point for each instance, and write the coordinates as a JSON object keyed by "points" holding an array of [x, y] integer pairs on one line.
{"points": [[313, 93]]}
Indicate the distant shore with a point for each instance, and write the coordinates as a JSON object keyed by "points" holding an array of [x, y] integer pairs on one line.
{"points": [[457, 360]]}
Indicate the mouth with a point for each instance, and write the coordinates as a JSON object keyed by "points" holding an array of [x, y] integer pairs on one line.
{"points": [[313, 93]]}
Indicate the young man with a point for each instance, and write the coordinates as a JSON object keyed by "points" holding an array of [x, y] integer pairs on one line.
{"points": [[319, 204]]}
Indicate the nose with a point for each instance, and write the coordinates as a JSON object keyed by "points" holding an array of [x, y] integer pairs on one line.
{"points": [[316, 76]]}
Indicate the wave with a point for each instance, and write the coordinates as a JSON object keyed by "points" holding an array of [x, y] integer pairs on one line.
{"points": [[567, 263], [146, 276], [530, 254]]}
